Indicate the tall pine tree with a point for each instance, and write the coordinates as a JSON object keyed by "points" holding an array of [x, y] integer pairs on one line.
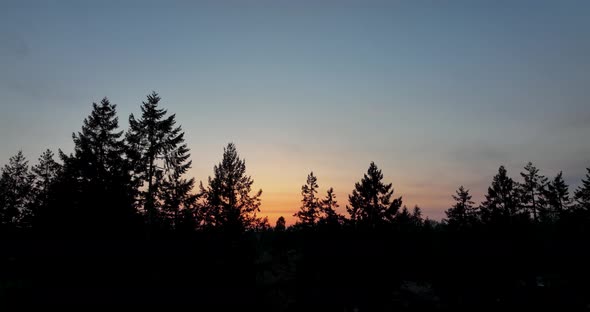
{"points": [[176, 195], [16, 193], [228, 204], [155, 145], [502, 204], [328, 207], [416, 218], [309, 212], [558, 197], [533, 189], [462, 214], [370, 202], [46, 174], [97, 178]]}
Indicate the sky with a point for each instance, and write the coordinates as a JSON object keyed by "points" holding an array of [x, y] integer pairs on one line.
{"points": [[438, 93]]}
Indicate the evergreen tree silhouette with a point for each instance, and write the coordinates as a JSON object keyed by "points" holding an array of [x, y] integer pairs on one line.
{"points": [[16, 193], [582, 194], [46, 173], [404, 218], [370, 201], [310, 209], [558, 197], [328, 207], [533, 190], [155, 142], [280, 226], [416, 218], [462, 214], [502, 204], [177, 200], [98, 177], [228, 204]]}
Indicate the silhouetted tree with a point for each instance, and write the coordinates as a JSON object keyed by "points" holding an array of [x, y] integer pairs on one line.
{"points": [[46, 174], [416, 218], [154, 142], [502, 203], [97, 174], [176, 191], [558, 198], [370, 201], [228, 204], [532, 189], [328, 207], [403, 218], [462, 214], [310, 209], [280, 225], [16, 193], [582, 194]]}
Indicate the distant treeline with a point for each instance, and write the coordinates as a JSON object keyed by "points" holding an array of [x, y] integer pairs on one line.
{"points": [[135, 182]]}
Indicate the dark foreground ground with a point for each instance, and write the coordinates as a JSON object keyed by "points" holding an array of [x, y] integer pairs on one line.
{"points": [[297, 271]]}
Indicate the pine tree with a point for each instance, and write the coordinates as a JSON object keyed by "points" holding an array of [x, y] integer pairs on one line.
{"points": [[558, 197], [16, 192], [46, 174], [328, 208], [280, 226], [582, 194], [176, 192], [416, 218], [462, 214], [403, 218], [99, 149], [533, 189], [370, 201], [152, 141], [309, 212], [96, 181], [228, 204], [502, 204]]}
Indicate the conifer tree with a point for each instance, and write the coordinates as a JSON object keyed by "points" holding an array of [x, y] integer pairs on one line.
{"points": [[582, 194], [228, 204], [155, 142], [176, 195], [96, 181], [462, 214], [533, 190], [328, 206], [16, 192], [416, 218], [46, 174], [370, 202], [403, 217], [502, 204], [558, 197], [310, 209]]}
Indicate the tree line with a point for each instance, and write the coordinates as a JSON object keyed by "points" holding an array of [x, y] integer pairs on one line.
{"points": [[119, 181]]}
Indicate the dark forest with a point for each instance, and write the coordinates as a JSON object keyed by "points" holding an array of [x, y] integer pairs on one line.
{"points": [[118, 221]]}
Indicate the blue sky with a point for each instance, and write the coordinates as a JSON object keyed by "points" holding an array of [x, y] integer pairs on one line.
{"points": [[438, 94]]}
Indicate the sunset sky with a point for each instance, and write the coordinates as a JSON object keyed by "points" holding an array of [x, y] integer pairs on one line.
{"points": [[437, 93]]}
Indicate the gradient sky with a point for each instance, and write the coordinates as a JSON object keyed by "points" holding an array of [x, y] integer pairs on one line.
{"points": [[437, 93]]}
